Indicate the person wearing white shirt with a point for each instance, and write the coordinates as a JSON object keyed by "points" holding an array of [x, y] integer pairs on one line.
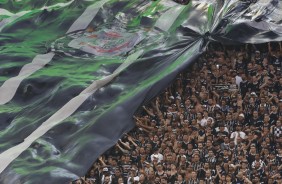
{"points": [[238, 80], [132, 176], [204, 120], [157, 155], [237, 134]]}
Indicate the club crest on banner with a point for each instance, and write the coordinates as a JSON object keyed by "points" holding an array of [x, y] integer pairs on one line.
{"points": [[107, 42]]}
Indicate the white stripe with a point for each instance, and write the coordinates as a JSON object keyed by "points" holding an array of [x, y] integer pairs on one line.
{"points": [[6, 21], [169, 17], [13, 17], [87, 16], [68, 109], [10, 86]]}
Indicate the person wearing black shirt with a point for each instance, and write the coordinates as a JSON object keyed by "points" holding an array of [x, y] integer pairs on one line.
{"points": [[229, 122], [135, 158], [250, 70], [255, 119], [275, 58], [116, 176], [270, 86], [202, 79], [226, 97], [252, 106], [274, 113], [264, 104], [244, 85], [126, 165], [239, 178], [251, 155], [277, 62], [267, 122], [240, 62], [221, 132], [241, 121], [254, 85], [224, 107], [278, 85], [258, 58]]}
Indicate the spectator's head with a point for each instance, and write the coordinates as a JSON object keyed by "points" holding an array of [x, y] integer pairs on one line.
{"points": [[240, 175], [199, 115], [210, 153], [253, 149], [278, 123], [92, 173], [239, 127], [241, 117], [127, 158], [107, 179], [157, 180], [196, 157], [163, 180], [169, 158], [257, 157], [244, 164], [243, 76], [201, 181], [208, 173], [218, 116], [200, 146], [194, 175], [226, 140], [225, 152], [255, 114], [194, 99], [159, 167], [228, 178], [142, 178], [221, 127], [117, 172], [232, 144], [274, 108], [151, 175], [190, 145], [189, 169], [120, 180]]}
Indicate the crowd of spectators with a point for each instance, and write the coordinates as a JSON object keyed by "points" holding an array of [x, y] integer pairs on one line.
{"points": [[218, 122]]}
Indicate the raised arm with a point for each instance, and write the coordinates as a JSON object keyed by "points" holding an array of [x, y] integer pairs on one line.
{"points": [[150, 113], [130, 139]]}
